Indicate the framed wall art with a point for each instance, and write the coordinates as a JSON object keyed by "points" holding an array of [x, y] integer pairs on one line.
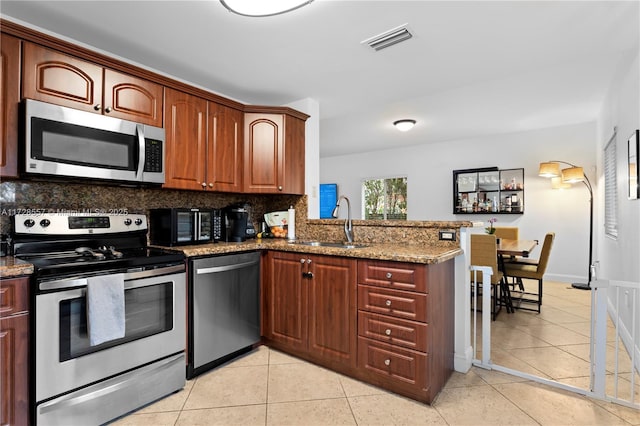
{"points": [[633, 147]]}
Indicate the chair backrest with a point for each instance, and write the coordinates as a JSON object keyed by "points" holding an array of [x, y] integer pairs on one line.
{"points": [[484, 252], [543, 260], [508, 232]]}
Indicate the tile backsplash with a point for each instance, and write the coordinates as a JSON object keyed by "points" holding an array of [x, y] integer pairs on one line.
{"points": [[37, 196]]}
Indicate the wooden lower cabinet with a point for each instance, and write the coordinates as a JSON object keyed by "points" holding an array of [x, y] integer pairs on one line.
{"points": [[309, 307], [406, 326], [14, 343], [395, 330]]}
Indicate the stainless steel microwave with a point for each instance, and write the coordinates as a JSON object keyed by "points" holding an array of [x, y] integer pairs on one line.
{"points": [[62, 141]]}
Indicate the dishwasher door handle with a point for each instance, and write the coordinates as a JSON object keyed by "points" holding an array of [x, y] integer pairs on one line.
{"points": [[225, 268]]}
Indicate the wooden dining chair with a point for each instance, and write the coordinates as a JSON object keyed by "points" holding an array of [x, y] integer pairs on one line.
{"points": [[484, 252], [508, 232], [523, 268]]}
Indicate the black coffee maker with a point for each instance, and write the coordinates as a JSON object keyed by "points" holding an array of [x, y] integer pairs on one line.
{"points": [[238, 224]]}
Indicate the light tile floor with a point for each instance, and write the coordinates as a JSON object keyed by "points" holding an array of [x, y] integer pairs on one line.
{"points": [[267, 387]]}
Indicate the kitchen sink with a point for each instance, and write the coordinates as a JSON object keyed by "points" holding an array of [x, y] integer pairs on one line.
{"points": [[330, 244]]}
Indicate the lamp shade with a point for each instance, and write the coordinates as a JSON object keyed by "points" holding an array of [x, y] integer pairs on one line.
{"points": [[263, 7], [404, 125], [549, 170], [557, 183], [573, 174]]}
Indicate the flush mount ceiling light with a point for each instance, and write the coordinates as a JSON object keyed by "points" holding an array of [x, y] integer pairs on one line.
{"points": [[262, 7], [404, 125]]}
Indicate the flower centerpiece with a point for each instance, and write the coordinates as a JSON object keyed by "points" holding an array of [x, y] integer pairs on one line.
{"points": [[490, 229]]}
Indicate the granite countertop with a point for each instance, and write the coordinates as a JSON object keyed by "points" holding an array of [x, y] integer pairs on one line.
{"points": [[12, 267], [414, 253]]}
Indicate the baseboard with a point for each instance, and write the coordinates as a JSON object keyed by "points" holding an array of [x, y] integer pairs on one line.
{"points": [[565, 278]]}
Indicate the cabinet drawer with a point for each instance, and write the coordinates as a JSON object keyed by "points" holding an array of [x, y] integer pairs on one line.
{"points": [[398, 275], [402, 365], [409, 334], [401, 304], [14, 296]]}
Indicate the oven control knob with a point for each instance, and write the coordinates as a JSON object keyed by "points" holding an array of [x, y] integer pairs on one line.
{"points": [[127, 221], [29, 223], [45, 222], [138, 221]]}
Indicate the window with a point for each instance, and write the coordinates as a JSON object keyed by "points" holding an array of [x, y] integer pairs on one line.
{"points": [[385, 198], [610, 189]]}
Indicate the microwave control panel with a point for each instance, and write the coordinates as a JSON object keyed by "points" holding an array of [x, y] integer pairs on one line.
{"points": [[153, 156]]}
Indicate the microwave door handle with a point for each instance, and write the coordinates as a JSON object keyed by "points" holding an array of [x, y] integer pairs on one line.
{"points": [[196, 232], [141, 151]]}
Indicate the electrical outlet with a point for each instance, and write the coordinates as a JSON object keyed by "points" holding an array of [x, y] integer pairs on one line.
{"points": [[447, 235]]}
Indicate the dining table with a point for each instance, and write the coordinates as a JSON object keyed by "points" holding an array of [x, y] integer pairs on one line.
{"points": [[507, 247]]}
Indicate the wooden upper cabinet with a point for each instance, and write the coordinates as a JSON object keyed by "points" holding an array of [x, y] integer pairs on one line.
{"points": [[61, 79], [186, 140], [225, 148], [273, 154], [132, 98], [9, 101]]}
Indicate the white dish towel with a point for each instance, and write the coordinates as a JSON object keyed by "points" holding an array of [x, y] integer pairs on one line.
{"points": [[105, 308]]}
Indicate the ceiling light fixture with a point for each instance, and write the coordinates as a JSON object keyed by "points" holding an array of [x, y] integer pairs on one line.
{"points": [[404, 125], [259, 8]]}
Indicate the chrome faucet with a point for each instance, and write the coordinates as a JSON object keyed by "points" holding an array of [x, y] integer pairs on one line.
{"points": [[348, 228]]}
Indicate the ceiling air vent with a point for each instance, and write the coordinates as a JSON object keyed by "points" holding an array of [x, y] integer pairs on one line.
{"points": [[389, 38]]}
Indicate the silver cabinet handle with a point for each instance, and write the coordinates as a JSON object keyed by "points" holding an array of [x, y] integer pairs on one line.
{"points": [[204, 184], [107, 109], [308, 261], [210, 184], [389, 274], [302, 261], [387, 332], [97, 107], [388, 302], [387, 362], [280, 188]]}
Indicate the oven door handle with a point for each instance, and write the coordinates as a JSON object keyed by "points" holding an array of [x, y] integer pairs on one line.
{"points": [[128, 276]]}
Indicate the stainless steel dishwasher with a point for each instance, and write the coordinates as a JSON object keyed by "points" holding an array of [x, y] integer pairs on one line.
{"points": [[224, 309]]}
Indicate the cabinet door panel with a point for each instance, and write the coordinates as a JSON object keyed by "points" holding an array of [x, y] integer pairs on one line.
{"points": [[132, 98], [60, 79], [294, 156], [185, 140], [287, 301], [263, 159], [332, 309], [225, 164], [14, 341], [9, 100]]}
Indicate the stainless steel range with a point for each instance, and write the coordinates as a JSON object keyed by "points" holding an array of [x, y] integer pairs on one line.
{"points": [[109, 330]]}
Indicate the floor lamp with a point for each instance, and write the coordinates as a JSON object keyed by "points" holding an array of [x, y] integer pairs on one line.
{"points": [[563, 179]]}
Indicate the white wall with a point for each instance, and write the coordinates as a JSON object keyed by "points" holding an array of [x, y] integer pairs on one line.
{"points": [[619, 258], [430, 185]]}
